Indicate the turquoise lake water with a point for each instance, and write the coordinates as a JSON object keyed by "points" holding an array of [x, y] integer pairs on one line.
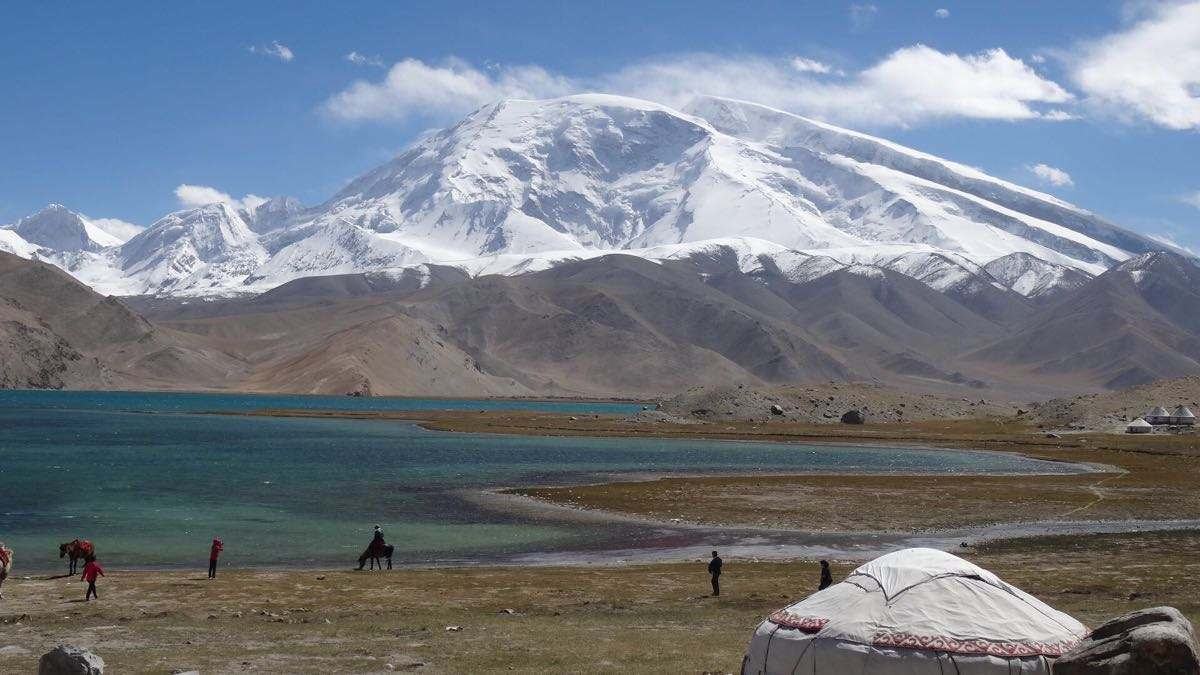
{"points": [[151, 480]]}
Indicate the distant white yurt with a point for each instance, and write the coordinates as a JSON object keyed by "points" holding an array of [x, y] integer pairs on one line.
{"points": [[1183, 415], [1139, 426], [1158, 415], [914, 612]]}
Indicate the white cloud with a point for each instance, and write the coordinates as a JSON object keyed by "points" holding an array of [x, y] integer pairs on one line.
{"points": [[1192, 199], [274, 50], [364, 60], [192, 196], [118, 228], [413, 88], [803, 65], [1149, 71], [1052, 175], [1037, 58], [862, 16], [942, 13], [913, 85]]}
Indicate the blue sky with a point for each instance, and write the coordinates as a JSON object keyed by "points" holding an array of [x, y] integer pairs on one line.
{"points": [[110, 107]]}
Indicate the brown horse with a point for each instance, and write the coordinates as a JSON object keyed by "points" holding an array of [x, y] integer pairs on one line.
{"points": [[77, 550], [6, 557]]}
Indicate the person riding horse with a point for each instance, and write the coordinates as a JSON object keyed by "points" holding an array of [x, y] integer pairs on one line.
{"points": [[376, 550]]}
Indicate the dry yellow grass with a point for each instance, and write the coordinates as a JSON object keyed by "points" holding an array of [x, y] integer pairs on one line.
{"points": [[566, 620]]}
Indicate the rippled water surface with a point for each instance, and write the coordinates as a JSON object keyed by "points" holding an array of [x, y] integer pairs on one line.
{"points": [[151, 478]]}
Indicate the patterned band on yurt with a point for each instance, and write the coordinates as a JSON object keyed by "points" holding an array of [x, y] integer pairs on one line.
{"points": [[914, 612]]}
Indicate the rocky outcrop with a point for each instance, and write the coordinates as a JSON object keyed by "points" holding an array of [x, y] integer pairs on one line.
{"points": [[1157, 640], [853, 417], [70, 660]]}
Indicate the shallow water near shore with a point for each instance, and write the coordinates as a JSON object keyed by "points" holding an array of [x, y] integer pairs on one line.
{"points": [[151, 478]]}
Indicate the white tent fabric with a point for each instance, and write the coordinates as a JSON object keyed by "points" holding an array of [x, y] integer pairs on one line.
{"points": [[914, 612], [1139, 426]]}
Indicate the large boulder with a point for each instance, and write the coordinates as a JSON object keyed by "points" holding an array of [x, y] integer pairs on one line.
{"points": [[70, 660], [853, 417], [1157, 640]]}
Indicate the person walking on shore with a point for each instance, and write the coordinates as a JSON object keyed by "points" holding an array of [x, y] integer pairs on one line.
{"points": [[714, 570], [91, 571], [213, 554]]}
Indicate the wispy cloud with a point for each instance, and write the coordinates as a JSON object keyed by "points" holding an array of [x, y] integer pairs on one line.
{"points": [[862, 15], [274, 50], [1052, 175], [193, 196], [941, 13], [1192, 199], [364, 60], [1149, 71], [911, 86], [413, 88], [1170, 240], [121, 229], [805, 65]]}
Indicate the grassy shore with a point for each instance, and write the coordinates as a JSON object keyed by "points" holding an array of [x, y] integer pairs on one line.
{"points": [[653, 618]]}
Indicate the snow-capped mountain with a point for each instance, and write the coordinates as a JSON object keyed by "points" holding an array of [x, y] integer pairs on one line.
{"points": [[59, 229], [520, 185]]}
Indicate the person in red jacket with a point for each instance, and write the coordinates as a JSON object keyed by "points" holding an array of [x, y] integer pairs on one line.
{"points": [[217, 547], [91, 571]]}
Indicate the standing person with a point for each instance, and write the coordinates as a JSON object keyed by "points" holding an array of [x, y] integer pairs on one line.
{"points": [[213, 554], [714, 569], [91, 571], [826, 576]]}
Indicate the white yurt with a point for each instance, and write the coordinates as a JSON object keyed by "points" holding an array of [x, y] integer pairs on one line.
{"points": [[1158, 415], [1183, 415], [1139, 426], [918, 611]]}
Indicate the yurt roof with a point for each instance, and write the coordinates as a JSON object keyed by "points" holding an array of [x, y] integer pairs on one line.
{"points": [[926, 599], [1139, 422], [1182, 411], [1158, 412]]}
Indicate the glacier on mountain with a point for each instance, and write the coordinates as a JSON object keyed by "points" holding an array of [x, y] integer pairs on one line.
{"points": [[522, 185]]}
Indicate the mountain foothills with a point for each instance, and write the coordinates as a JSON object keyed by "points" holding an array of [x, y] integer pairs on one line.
{"points": [[597, 245]]}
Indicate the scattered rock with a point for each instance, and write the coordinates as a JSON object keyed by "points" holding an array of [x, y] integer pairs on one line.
{"points": [[1053, 435], [320, 577], [453, 629], [506, 611], [853, 417], [70, 660], [1156, 640], [776, 409]]}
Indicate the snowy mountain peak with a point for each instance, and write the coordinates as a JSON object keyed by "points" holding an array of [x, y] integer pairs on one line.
{"points": [[58, 228], [520, 185], [1033, 277], [274, 213]]}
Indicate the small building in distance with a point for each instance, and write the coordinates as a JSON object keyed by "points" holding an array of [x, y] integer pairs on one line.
{"points": [[1158, 416], [1139, 426], [1183, 416]]}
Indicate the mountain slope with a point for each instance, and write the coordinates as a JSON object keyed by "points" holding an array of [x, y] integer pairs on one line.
{"points": [[520, 186], [1133, 324], [59, 333]]}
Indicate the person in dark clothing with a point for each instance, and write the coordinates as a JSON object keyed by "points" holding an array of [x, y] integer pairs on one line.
{"points": [[714, 569], [213, 554], [826, 576]]}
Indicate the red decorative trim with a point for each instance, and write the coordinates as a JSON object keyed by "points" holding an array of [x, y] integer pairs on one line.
{"points": [[942, 643], [807, 624]]}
